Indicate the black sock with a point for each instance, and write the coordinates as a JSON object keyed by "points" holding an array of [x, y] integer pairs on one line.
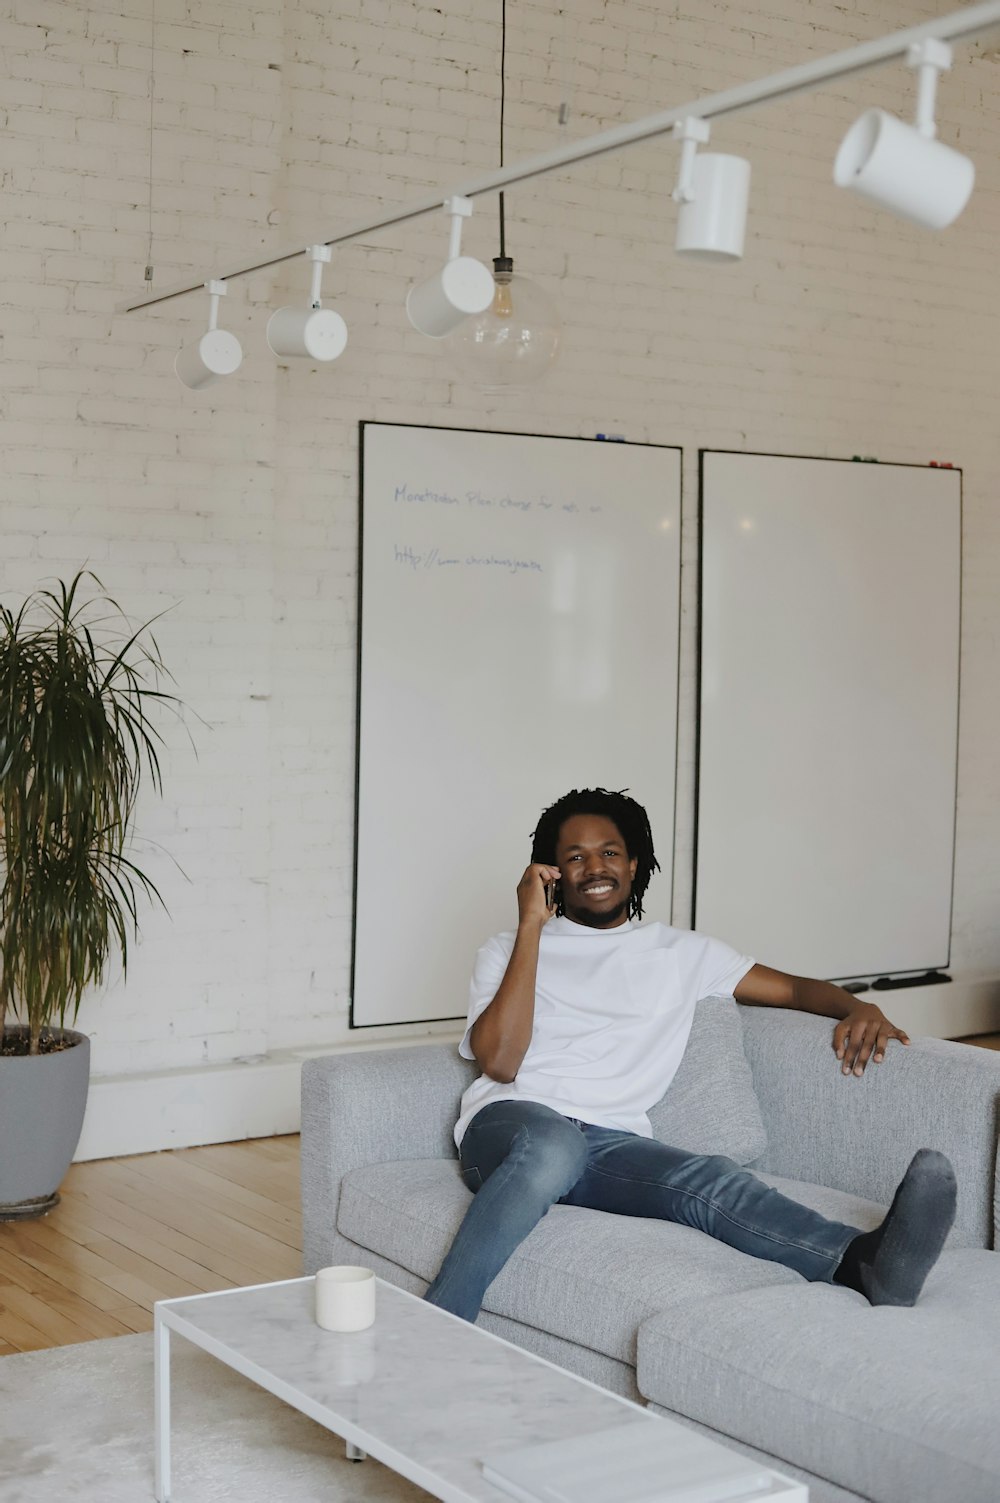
{"points": [[862, 1249], [889, 1265]]}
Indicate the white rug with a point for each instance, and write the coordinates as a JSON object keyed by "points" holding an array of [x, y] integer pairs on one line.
{"points": [[76, 1423]]}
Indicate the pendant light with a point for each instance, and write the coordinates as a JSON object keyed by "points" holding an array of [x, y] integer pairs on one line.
{"points": [[312, 332], [516, 340], [904, 168], [216, 354], [462, 287]]}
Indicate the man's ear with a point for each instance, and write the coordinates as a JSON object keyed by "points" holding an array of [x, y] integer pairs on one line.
{"points": [[632, 866]]}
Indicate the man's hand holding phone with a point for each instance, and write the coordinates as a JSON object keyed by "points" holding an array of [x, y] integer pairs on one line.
{"points": [[536, 894]]}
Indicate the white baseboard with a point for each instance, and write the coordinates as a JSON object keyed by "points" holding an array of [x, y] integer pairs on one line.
{"points": [[260, 1098], [257, 1098]]}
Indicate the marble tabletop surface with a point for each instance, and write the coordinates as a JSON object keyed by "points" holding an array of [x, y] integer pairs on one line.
{"points": [[424, 1392]]}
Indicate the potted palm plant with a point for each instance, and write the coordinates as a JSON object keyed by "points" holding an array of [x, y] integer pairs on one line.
{"points": [[77, 683]]}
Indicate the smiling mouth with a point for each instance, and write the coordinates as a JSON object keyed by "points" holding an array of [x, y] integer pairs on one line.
{"points": [[598, 889]]}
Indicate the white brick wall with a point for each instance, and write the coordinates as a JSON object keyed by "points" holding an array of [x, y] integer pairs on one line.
{"points": [[235, 510]]}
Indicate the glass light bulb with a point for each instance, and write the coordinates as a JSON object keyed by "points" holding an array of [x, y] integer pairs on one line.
{"points": [[513, 343], [503, 302]]}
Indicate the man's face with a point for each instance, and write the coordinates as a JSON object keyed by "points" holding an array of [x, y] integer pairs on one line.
{"points": [[595, 871]]}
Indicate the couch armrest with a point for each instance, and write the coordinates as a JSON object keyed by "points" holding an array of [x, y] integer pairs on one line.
{"points": [[859, 1134], [372, 1107]]}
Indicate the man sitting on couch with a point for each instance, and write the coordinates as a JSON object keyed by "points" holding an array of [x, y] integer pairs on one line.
{"points": [[579, 1020]]}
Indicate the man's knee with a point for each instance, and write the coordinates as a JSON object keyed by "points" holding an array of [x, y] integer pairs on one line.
{"points": [[546, 1151], [551, 1156]]}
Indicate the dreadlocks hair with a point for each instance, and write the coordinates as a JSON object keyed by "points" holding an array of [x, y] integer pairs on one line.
{"points": [[625, 813]]}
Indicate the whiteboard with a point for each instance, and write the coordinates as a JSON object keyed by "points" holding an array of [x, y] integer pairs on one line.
{"points": [[827, 765], [519, 604]]}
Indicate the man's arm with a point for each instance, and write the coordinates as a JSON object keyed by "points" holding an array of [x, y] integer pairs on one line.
{"points": [[501, 1034], [862, 1029]]}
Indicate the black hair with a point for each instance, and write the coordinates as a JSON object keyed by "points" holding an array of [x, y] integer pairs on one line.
{"points": [[630, 819]]}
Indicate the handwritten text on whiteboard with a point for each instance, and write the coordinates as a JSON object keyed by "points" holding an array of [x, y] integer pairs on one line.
{"points": [[433, 558], [412, 496]]}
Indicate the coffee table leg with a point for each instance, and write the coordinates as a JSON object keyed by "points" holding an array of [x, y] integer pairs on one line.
{"points": [[354, 1453], [161, 1385]]}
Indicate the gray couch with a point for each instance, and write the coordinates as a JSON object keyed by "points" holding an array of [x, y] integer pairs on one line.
{"points": [[898, 1406]]}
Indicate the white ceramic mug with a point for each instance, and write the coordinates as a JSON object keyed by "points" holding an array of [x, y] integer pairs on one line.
{"points": [[345, 1298]]}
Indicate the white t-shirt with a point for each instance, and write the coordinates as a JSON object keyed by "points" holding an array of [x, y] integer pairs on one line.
{"points": [[613, 1011]]}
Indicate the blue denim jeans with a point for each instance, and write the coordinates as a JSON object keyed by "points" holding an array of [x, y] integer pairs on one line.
{"points": [[519, 1158]]}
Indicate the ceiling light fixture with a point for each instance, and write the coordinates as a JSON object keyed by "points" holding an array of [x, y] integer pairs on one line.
{"points": [[216, 354], [313, 333], [903, 168], [515, 340], [462, 287], [713, 192]]}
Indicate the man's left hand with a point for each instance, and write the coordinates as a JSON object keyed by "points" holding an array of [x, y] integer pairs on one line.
{"points": [[863, 1035], [863, 1029]]}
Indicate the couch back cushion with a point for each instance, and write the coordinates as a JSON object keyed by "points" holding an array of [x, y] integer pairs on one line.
{"points": [[710, 1106]]}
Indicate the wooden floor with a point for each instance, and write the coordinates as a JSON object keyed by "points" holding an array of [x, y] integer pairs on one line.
{"points": [[131, 1231]]}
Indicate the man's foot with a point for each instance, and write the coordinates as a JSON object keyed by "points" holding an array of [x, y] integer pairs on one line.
{"points": [[889, 1265]]}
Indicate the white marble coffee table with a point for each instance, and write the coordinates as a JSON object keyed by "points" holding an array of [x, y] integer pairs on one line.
{"points": [[423, 1392]]}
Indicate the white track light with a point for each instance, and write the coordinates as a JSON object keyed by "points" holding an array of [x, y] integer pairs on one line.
{"points": [[462, 287], [903, 168], [216, 353], [313, 333], [713, 192]]}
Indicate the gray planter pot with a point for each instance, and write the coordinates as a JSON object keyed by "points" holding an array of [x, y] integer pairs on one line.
{"points": [[42, 1101]]}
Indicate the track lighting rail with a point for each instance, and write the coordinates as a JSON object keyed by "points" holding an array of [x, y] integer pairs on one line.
{"points": [[807, 76]]}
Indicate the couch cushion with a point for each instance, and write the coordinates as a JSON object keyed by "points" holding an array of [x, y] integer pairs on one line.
{"points": [[890, 1403], [582, 1275], [710, 1106]]}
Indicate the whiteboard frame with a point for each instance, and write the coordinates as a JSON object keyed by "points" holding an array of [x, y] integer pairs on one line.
{"points": [[932, 968], [666, 860]]}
